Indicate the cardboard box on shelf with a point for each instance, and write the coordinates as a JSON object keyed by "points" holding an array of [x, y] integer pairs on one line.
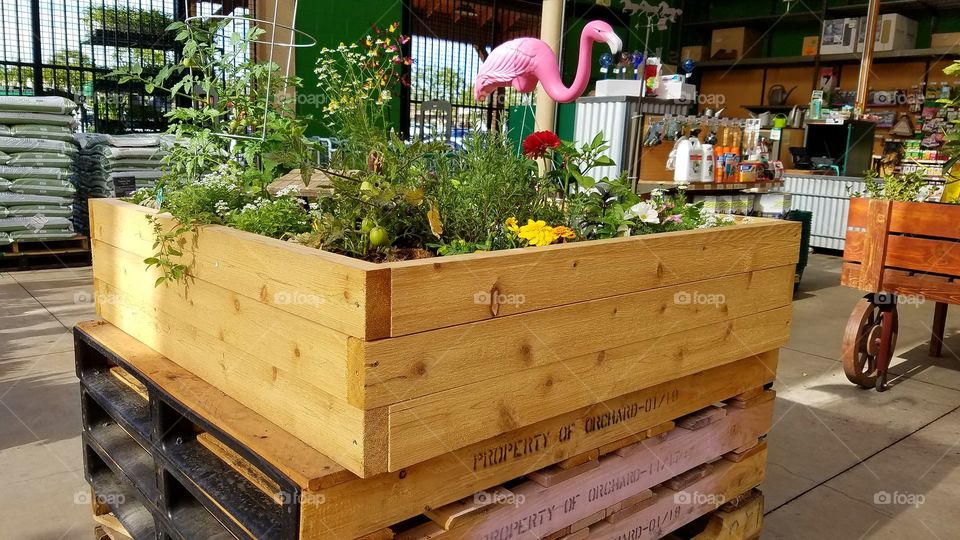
{"points": [[810, 45], [945, 39], [893, 32], [734, 43], [693, 52], [839, 36]]}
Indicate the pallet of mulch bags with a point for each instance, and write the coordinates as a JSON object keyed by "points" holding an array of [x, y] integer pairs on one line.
{"points": [[54, 252], [37, 155]]}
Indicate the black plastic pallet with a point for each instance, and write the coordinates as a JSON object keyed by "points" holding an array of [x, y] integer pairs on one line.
{"points": [[142, 457]]}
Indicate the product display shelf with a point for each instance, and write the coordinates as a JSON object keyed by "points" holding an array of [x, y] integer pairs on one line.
{"points": [[750, 187], [933, 53], [172, 457]]}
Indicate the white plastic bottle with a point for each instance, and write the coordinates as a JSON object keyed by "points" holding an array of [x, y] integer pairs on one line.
{"points": [[707, 164], [681, 162], [696, 158]]}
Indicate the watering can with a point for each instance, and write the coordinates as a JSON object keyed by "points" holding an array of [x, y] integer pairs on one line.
{"points": [[780, 121], [777, 94]]}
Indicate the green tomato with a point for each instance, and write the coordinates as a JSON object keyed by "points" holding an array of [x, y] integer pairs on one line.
{"points": [[188, 62], [379, 237], [367, 224], [367, 186]]}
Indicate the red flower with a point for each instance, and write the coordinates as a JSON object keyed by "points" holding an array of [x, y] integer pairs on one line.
{"points": [[537, 143]]}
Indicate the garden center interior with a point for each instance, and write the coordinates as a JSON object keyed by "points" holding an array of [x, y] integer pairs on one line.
{"points": [[493, 269]]}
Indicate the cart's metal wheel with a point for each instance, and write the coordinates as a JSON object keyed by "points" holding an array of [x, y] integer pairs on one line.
{"points": [[861, 341]]}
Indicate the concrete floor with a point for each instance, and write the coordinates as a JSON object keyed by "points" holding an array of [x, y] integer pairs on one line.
{"points": [[836, 451]]}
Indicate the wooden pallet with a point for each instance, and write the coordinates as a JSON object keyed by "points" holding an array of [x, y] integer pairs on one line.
{"points": [[670, 480], [401, 363], [35, 255], [138, 403]]}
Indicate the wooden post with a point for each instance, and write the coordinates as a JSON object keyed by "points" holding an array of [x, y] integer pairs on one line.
{"points": [[866, 62], [551, 31], [875, 248], [939, 322]]}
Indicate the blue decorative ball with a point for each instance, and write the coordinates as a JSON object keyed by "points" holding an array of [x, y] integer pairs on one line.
{"points": [[606, 60], [688, 65]]}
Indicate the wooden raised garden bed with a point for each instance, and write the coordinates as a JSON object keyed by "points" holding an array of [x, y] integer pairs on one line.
{"points": [[383, 366]]}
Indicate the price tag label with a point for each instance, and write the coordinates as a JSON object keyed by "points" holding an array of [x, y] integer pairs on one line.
{"points": [[124, 186], [775, 134]]}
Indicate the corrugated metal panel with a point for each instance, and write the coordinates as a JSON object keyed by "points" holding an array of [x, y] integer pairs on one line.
{"points": [[828, 198]]}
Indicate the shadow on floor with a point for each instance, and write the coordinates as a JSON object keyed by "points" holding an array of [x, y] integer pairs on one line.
{"points": [[39, 407]]}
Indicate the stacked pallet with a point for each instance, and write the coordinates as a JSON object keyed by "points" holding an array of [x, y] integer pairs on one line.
{"points": [[168, 455], [115, 166], [37, 151]]}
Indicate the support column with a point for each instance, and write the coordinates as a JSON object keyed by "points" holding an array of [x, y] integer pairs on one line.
{"points": [[866, 63], [551, 31]]}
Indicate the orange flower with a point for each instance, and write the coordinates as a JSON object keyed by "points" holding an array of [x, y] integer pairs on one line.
{"points": [[564, 232]]}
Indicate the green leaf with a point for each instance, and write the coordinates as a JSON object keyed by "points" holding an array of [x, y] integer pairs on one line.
{"points": [[159, 280], [150, 261], [597, 140]]}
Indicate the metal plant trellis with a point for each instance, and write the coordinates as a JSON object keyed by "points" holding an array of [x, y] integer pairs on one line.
{"points": [[272, 44]]}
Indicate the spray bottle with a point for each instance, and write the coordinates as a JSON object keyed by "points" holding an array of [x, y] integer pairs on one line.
{"points": [[709, 160], [681, 160], [696, 157], [720, 156]]}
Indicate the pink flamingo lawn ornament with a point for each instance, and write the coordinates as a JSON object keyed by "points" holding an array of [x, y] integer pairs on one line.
{"points": [[524, 61]]}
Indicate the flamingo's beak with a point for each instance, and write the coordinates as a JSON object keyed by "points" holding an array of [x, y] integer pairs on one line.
{"points": [[614, 42]]}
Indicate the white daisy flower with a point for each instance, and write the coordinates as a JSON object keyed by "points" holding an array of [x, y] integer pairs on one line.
{"points": [[645, 212]]}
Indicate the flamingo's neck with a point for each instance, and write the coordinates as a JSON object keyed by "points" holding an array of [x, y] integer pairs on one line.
{"points": [[584, 68]]}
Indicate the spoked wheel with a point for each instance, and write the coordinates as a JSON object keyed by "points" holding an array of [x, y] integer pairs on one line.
{"points": [[865, 358]]}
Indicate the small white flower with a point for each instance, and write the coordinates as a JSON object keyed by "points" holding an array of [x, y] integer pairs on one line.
{"points": [[291, 190], [645, 212], [221, 207], [623, 230]]}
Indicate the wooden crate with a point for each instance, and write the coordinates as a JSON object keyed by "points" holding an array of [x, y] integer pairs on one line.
{"points": [[383, 366], [903, 247], [161, 429]]}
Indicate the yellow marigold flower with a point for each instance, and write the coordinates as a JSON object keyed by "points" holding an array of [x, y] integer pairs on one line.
{"points": [[538, 233], [512, 225], [564, 232]]}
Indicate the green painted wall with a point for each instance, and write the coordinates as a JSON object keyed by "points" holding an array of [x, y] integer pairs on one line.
{"points": [[332, 23]]}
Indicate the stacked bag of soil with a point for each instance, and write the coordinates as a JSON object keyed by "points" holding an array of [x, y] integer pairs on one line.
{"points": [[37, 153], [115, 166]]}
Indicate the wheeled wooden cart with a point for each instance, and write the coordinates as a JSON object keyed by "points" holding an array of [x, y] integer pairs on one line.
{"points": [[897, 252]]}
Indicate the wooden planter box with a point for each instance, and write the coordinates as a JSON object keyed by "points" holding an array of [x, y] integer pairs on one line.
{"points": [[903, 247], [383, 366]]}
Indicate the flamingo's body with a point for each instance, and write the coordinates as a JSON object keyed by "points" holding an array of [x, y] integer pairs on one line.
{"points": [[523, 62]]}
